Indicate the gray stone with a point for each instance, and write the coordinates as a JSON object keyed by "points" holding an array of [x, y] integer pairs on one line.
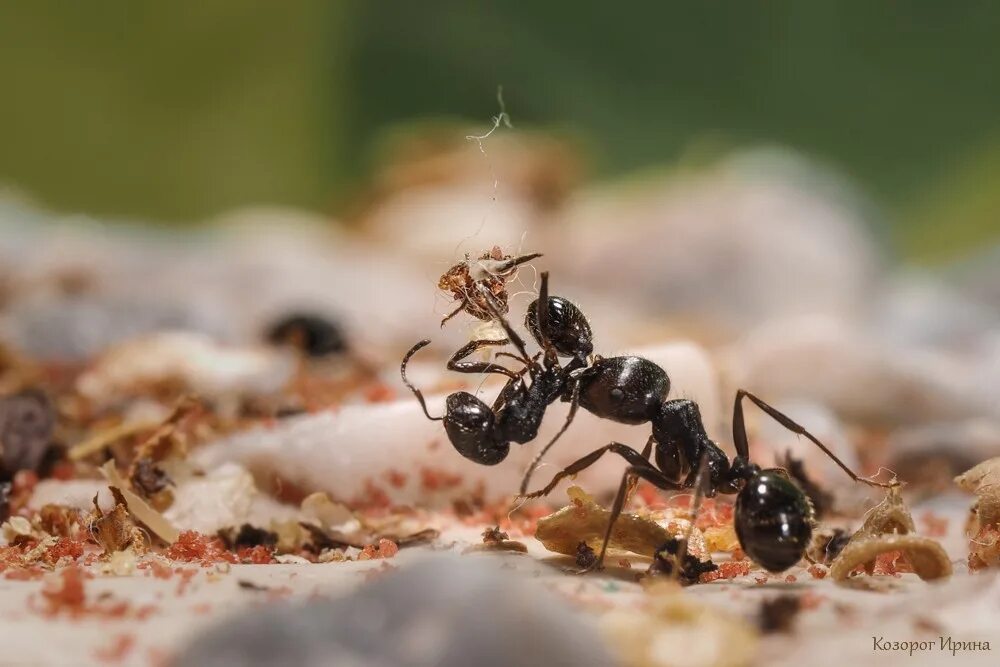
{"points": [[443, 611]]}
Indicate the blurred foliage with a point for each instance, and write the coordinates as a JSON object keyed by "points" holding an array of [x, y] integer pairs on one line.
{"points": [[174, 111]]}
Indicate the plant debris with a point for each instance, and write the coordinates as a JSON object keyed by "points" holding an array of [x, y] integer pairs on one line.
{"points": [[983, 527], [583, 520], [885, 545], [495, 539], [114, 530]]}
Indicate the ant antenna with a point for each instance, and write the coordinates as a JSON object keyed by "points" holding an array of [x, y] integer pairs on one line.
{"points": [[416, 392]]}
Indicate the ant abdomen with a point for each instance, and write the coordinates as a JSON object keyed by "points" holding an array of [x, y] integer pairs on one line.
{"points": [[471, 428], [773, 520]]}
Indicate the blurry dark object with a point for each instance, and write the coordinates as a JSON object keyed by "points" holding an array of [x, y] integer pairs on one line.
{"points": [[822, 500], [27, 421], [313, 335], [5, 488], [585, 556], [247, 536], [474, 613], [827, 546], [779, 614], [931, 470], [665, 559]]}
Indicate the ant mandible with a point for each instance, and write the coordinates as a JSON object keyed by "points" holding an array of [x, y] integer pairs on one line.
{"points": [[773, 516]]}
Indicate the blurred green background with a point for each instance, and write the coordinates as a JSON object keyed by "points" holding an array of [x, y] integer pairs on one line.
{"points": [[175, 111]]}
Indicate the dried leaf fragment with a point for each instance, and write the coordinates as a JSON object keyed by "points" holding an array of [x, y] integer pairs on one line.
{"points": [[139, 508], [984, 521], [926, 556], [583, 520], [886, 530]]}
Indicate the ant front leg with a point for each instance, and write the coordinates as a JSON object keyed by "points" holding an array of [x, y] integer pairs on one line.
{"points": [[743, 447], [456, 364]]}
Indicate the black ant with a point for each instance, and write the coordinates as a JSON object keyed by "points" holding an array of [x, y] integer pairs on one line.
{"points": [[773, 516]]}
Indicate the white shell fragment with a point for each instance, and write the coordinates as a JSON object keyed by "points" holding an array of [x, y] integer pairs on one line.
{"points": [[345, 451], [203, 366]]}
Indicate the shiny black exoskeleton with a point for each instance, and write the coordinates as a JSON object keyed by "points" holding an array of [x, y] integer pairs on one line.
{"points": [[773, 516]]}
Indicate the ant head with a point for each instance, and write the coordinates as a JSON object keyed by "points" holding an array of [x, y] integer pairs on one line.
{"points": [[567, 327], [774, 520], [469, 424]]}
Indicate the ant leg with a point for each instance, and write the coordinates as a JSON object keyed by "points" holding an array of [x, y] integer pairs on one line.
{"points": [[456, 364], [460, 308], [406, 381], [633, 472], [743, 447], [699, 496], [581, 464], [574, 404], [515, 339], [646, 453]]}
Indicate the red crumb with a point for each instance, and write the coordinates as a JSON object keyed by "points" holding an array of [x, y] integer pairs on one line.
{"points": [[195, 547], [626, 563], [817, 571], [66, 594], [728, 570], [933, 525], [384, 549], [761, 580], [397, 479], [65, 547], [117, 651], [380, 393], [791, 579], [438, 480], [258, 555]]}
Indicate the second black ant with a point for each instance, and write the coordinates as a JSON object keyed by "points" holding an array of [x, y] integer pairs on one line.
{"points": [[773, 516]]}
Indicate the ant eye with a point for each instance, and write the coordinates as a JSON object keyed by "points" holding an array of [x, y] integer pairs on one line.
{"points": [[773, 521], [617, 395]]}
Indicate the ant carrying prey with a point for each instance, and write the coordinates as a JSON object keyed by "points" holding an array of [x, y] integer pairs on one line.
{"points": [[773, 516]]}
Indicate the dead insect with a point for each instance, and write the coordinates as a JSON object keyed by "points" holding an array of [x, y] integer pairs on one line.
{"points": [[469, 279]]}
